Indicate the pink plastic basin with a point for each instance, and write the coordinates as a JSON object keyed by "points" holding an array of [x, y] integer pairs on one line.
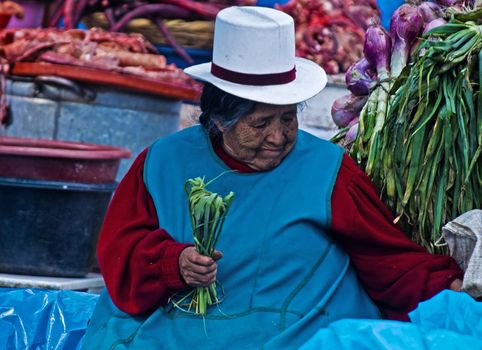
{"points": [[59, 160]]}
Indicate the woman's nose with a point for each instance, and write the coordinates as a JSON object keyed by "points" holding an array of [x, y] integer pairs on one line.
{"points": [[276, 135]]}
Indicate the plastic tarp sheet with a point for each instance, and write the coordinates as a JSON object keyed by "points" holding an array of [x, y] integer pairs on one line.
{"points": [[40, 319], [450, 320], [54, 320]]}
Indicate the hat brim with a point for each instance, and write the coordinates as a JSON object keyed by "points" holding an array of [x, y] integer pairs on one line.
{"points": [[310, 80]]}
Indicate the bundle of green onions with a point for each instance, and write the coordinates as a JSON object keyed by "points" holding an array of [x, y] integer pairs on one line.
{"points": [[433, 134], [422, 143], [207, 211]]}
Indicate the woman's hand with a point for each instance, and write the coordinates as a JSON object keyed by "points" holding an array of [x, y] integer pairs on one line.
{"points": [[198, 270], [456, 285]]}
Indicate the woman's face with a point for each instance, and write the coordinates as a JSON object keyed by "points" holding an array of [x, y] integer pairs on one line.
{"points": [[263, 138]]}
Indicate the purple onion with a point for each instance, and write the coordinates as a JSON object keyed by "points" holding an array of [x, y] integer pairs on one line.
{"points": [[377, 49], [353, 122], [352, 133], [406, 25], [346, 108], [360, 78], [434, 24], [430, 11]]}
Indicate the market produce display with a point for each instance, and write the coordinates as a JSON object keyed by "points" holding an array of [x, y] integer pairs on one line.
{"points": [[118, 14], [7, 10], [123, 53], [420, 131], [197, 34], [11, 8], [331, 32], [115, 55]]}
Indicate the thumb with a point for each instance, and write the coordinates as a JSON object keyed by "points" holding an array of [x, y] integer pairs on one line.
{"points": [[217, 255]]}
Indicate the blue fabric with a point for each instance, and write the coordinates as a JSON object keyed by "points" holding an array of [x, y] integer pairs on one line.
{"points": [[448, 321], [387, 8], [283, 278], [271, 3], [40, 319]]}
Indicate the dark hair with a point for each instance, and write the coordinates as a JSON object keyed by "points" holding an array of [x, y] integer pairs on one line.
{"points": [[220, 106]]}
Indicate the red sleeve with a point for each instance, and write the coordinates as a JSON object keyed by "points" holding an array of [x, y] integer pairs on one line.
{"points": [[396, 272], [138, 259]]}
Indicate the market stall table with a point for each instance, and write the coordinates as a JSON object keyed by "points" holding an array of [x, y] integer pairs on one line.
{"points": [[91, 283]]}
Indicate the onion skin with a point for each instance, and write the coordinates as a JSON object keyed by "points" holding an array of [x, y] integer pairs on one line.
{"points": [[377, 49], [406, 25], [430, 11], [346, 108], [434, 24], [360, 78], [352, 133]]}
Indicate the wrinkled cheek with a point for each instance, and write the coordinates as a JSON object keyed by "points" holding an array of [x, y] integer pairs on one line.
{"points": [[290, 145], [250, 147], [291, 136], [248, 152]]}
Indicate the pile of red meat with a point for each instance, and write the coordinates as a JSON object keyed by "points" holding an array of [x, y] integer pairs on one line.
{"points": [[122, 53], [120, 12], [331, 32], [94, 48]]}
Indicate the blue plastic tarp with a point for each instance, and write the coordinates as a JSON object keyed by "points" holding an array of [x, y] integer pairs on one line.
{"points": [[57, 320], [40, 319], [449, 320]]}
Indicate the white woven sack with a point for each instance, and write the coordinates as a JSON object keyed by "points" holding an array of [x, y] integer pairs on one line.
{"points": [[464, 238]]}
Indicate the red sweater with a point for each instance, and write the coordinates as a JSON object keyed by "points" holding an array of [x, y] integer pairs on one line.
{"points": [[140, 261]]}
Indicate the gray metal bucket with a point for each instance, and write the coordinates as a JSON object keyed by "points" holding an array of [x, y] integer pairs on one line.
{"points": [[58, 109]]}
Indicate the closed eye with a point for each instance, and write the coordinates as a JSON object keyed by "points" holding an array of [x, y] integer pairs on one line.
{"points": [[259, 126], [288, 119]]}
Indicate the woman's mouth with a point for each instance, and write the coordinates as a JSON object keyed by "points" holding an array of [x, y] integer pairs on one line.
{"points": [[273, 152]]}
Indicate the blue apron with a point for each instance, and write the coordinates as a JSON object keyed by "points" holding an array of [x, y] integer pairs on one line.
{"points": [[283, 277]]}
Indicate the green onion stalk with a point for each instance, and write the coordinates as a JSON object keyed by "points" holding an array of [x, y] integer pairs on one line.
{"points": [[208, 211], [428, 164], [377, 49]]}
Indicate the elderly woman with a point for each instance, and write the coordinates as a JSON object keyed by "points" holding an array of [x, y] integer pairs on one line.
{"points": [[306, 241]]}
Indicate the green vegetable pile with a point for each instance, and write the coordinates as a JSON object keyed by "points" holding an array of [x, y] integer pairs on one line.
{"points": [[426, 159], [207, 211]]}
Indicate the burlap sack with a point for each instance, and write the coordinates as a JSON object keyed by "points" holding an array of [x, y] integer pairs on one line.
{"points": [[464, 238]]}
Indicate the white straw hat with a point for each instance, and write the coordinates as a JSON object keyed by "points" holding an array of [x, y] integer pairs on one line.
{"points": [[254, 58]]}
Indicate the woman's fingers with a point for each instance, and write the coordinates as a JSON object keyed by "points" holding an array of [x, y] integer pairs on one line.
{"points": [[200, 269], [199, 259], [198, 280], [196, 269]]}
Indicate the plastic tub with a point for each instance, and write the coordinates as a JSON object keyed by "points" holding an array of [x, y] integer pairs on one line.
{"points": [[59, 160], [50, 228], [92, 113]]}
